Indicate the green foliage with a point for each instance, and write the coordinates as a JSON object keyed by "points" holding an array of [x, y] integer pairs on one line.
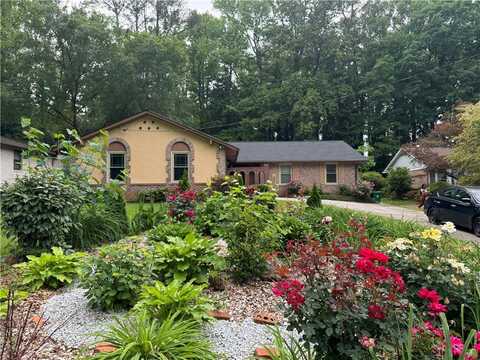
{"points": [[184, 299], [289, 348], [141, 337], [314, 200], [8, 243], [399, 182], [376, 178], [40, 207], [162, 232], [153, 195], [114, 277], [437, 186], [184, 184], [293, 228], [112, 194], [147, 217], [50, 270], [344, 190], [464, 156], [184, 259], [18, 296]]}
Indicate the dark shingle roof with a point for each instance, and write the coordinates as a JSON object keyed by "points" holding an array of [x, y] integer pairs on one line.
{"points": [[286, 151], [12, 143]]}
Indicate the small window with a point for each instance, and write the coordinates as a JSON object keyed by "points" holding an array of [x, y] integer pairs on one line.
{"points": [[180, 165], [17, 160], [331, 173], [462, 195], [450, 193], [285, 174], [117, 165]]}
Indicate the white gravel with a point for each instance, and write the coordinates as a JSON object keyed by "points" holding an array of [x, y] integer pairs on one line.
{"points": [[83, 322], [233, 340]]}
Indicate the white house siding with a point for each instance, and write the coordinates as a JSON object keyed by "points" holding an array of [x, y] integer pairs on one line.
{"points": [[407, 161]]}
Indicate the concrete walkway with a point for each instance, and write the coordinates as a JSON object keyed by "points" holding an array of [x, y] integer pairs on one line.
{"points": [[397, 212]]}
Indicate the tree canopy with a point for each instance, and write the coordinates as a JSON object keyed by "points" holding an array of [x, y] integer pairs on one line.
{"points": [[262, 69]]}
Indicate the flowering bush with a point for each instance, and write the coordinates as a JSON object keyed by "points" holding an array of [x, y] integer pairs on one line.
{"points": [[423, 263], [294, 187], [347, 292], [181, 205], [363, 191]]}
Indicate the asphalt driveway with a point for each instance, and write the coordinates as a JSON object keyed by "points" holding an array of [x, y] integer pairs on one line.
{"points": [[396, 212]]}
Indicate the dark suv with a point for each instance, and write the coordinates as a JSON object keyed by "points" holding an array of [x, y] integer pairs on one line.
{"points": [[458, 204]]}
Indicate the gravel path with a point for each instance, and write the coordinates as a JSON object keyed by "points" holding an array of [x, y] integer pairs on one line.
{"points": [[83, 321], [235, 340], [238, 340]]}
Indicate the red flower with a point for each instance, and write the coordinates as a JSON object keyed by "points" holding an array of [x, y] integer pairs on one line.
{"points": [[290, 290], [189, 213], [436, 308], [172, 197], [188, 195], [382, 272], [373, 255], [295, 299], [398, 281], [430, 295], [365, 266], [376, 312]]}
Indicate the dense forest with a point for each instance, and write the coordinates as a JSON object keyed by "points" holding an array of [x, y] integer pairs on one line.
{"points": [[262, 69]]}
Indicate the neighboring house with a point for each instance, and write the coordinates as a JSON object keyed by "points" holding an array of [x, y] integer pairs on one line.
{"points": [[11, 159], [155, 151], [432, 167]]}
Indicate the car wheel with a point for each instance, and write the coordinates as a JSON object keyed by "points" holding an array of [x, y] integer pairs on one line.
{"points": [[432, 217], [476, 226]]}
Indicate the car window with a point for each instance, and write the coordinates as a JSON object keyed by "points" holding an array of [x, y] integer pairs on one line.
{"points": [[461, 194], [450, 193]]}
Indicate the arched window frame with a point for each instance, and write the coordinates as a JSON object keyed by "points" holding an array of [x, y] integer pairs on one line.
{"points": [[170, 156], [126, 158]]}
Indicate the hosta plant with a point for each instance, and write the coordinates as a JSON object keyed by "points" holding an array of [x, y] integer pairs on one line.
{"points": [[185, 299], [51, 270], [140, 338], [162, 232], [190, 258], [114, 277]]}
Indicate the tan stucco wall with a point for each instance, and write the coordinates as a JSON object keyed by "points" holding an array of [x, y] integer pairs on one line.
{"points": [[148, 139]]}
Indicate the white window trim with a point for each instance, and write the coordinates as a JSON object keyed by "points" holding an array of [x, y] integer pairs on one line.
{"points": [[280, 173], [172, 165], [109, 177], [336, 174]]}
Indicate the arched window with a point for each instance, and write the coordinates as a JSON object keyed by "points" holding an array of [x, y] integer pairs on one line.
{"points": [[181, 161], [251, 178], [117, 160]]}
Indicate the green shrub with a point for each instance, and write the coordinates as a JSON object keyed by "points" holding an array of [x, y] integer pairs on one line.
{"points": [[289, 348], [112, 194], [143, 338], [153, 195], [251, 231], [376, 178], [146, 218], [185, 299], [437, 186], [399, 182], [184, 184], [363, 191], [51, 270], [344, 190], [8, 244], [17, 297], [97, 224], [114, 277], [40, 207], [184, 259], [293, 228], [314, 200], [162, 232]]}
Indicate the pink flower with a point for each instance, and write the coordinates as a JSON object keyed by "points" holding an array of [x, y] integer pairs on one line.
{"points": [[457, 345], [189, 213], [435, 331], [172, 197], [373, 255], [376, 312], [477, 347], [430, 295], [436, 308], [477, 336], [367, 343], [415, 330]]}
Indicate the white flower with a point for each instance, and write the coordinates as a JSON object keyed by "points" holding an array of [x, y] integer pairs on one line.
{"points": [[327, 220], [448, 227], [459, 266], [457, 282], [400, 244]]}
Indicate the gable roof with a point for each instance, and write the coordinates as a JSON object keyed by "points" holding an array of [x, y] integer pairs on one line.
{"points": [[296, 151], [12, 143], [167, 120], [430, 157]]}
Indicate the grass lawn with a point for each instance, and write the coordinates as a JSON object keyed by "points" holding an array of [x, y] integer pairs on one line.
{"points": [[407, 204], [132, 208]]}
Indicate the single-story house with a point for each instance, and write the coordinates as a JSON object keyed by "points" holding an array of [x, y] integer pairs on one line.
{"points": [[11, 159], [425, 165], [156, 150]]}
